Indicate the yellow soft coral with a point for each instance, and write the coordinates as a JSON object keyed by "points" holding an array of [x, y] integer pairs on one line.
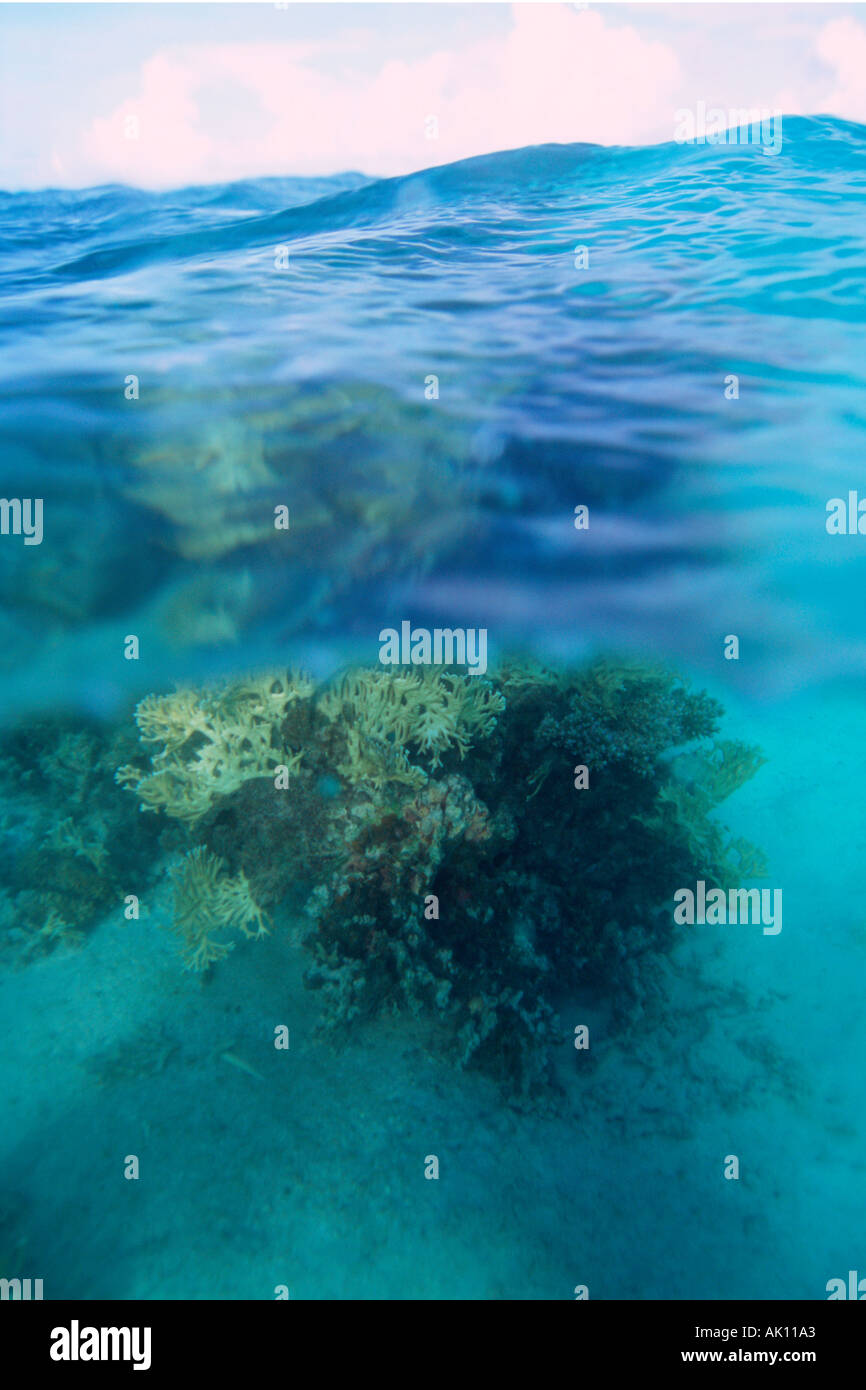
{"points": [[78, 839], [208, 901], [213, 741], [382, 725], [729, 766], [385, 713]]}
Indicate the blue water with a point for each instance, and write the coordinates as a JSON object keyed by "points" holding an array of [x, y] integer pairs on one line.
{"points": [[557, 386], [283, 333]]}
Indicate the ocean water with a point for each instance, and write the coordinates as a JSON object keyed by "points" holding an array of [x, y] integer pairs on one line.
{"points": [[431, 376]]}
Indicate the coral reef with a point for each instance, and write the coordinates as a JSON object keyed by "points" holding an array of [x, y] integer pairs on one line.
{"points": [[212, 742], [387, 715], [72, 842], [434, 841], [208, 902]]}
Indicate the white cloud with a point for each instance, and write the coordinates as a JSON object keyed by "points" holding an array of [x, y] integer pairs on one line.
{"points": [[842, 44], [213, 112]]}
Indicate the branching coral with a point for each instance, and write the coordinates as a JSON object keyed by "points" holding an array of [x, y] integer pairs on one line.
{"points": [[208, 902], [73, 842], [540, 886], [66, 835], [213, 742], [426, 786], [630, 715], [54, 929], [728, 766], [390, 715], [74, 758]]}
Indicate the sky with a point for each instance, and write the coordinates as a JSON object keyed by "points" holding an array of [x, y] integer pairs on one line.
{"points": [[167, 95]]}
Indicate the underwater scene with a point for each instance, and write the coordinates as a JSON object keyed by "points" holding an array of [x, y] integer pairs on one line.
{"points": [[432, 673]]}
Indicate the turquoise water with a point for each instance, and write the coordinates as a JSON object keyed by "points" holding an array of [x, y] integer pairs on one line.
{"points": [[281, 335]]}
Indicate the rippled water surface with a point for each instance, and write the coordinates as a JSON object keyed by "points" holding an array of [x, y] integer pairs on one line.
{"points": [[282, 332]]}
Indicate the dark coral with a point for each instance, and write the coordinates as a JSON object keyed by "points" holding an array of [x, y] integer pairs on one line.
{"points": [[74, 844], [540, 886], [433, 838]]}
